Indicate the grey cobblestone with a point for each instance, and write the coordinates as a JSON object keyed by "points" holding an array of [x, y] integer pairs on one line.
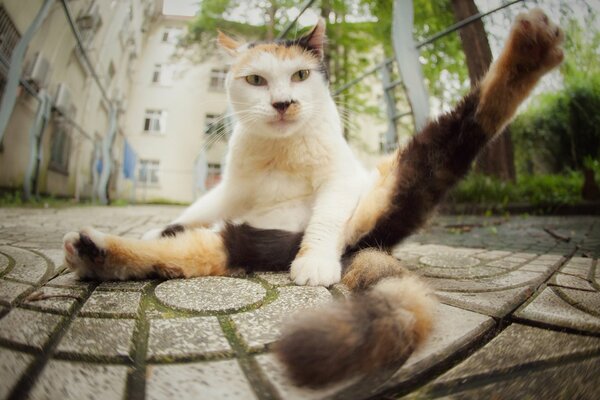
{"points": [[209, 294], [76, 380], [30, 328], [117, 304], [99, 337], [210, 337], [186, 337], [211, 380]]}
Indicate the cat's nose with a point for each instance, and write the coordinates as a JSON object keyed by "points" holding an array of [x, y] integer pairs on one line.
{"points": [[281, 106]]}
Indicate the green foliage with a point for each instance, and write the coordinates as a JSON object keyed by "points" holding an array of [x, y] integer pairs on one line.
{"points": [[537, 190], [562, 129]]}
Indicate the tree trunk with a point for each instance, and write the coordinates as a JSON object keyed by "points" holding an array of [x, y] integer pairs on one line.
{"points": [[498, 158], [271, 11]]}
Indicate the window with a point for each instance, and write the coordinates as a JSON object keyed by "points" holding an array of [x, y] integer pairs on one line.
{"points": [[171, 35], [213, 123], [217, 79], [213, 177], [148, 172], [163, 74], [155, 121], [60, 149], [9, 37]]}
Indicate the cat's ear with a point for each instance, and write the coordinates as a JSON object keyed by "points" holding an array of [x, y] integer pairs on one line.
{"points": [[228, 44], [315, 39]]}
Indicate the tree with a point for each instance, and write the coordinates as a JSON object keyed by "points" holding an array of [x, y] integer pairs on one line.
{"points": [[498, 159]]}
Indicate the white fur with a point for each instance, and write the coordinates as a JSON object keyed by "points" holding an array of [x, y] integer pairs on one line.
{"points": [[299, 175]]}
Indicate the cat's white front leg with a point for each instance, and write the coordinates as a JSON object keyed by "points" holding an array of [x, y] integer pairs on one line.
{"points": [[318, 261], [205, 211]]}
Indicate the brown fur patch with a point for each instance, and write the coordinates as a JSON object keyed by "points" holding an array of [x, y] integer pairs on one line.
{"points": [[191, 253], [280, 51], [367, 267]]}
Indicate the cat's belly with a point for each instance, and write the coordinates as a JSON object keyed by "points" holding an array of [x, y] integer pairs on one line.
{"points": [[278, 201], [290, 216]]}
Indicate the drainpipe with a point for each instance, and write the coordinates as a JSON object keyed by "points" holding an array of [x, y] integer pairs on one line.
{"points": [[36, 134], [107, 144], [16, 65]]}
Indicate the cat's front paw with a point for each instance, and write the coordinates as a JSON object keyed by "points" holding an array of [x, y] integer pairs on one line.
{"points": [[316, 270], [535, 42], [85, 252]]}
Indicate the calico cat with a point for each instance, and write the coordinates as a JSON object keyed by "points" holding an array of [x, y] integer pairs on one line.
{"points": [[294, 195]]}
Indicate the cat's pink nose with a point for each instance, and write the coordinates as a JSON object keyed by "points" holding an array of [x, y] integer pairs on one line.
{"points": [[281, 106]]}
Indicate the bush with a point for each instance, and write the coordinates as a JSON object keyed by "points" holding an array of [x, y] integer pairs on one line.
{"points": [[536, 190]]}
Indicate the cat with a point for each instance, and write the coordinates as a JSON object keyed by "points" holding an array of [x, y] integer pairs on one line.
{"points": [[294, 195]]}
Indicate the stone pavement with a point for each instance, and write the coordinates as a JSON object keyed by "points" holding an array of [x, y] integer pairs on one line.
{"points": [[519, 317]]}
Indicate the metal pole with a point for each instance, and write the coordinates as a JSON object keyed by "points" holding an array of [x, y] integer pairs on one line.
{"points": [[36, 132], [390, 139], [16, 63], [107, 156]]}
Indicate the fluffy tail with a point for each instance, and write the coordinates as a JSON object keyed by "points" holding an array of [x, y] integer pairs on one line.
{"points": [[380, 326]]}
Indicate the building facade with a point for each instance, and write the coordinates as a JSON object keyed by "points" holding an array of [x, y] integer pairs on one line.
{"points": [[173, 119]]}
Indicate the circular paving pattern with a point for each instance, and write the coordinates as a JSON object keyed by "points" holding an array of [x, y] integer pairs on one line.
{"points": [[449, 260], [209, 294]]}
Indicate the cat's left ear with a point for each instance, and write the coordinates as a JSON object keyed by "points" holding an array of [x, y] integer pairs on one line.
{"points": [[315, 39], [228, 44]]}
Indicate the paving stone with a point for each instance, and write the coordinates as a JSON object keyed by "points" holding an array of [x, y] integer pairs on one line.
{"points": [[480, 271], [60, 300], [263, 326], [275, 372], [4, 263], [519, 345], [105, 303], [587, 300], [12, 366], [69, 280], [11, 291], [57, 257], [454, 330], [276, 278], [29, 267], [186, 337], [125, 285], [208, 380], [31, 328], [99, 337], [505, 281], [578, 380], [572, 282], [209, 294], [493, 255], [448, 261], [494, 303], [76, 380], [548, 308]]}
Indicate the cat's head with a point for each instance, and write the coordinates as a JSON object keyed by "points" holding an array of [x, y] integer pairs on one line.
{"points": [[275, 88]]}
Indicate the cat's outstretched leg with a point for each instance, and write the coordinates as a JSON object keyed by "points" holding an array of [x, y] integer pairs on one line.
{"points": [[95, 255], [416, 180]]}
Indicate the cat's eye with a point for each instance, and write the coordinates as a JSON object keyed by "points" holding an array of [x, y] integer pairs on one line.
{"points": [[256, 80], [301, 75]]}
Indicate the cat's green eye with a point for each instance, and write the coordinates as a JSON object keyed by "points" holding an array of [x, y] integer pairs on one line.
{"points": [[256, 80], [301, 75]]}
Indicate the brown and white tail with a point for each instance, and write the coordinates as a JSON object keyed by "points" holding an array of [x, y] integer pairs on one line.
{"points": [[388, 316]]}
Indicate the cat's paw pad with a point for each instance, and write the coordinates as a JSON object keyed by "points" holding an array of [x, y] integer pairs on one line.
{"points": [[536, 41], [315, 270], [85, 252]]}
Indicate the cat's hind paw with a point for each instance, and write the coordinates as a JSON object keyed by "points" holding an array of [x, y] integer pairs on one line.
{"points": [[535, 43], [314, 270], [85, 252]]}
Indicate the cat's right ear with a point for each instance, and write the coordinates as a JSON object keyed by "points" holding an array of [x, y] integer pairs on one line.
{"points": [[228, 44]]}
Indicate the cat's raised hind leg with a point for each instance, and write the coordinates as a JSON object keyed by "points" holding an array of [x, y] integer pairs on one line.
{"points": [[93, 254]]}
